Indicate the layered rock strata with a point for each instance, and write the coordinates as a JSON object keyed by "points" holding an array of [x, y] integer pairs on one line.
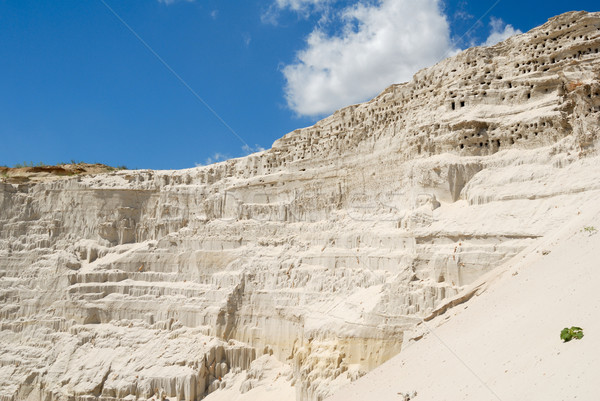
{"points": [[318, 253]]}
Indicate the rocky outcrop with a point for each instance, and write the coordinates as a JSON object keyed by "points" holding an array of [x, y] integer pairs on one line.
{"points": [[319, 252]]}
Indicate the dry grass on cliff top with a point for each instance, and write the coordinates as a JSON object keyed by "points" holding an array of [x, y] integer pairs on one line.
{"points": [[41, 173]]}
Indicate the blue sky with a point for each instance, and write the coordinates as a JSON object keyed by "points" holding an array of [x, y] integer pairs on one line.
{"points": [[77, 84]]}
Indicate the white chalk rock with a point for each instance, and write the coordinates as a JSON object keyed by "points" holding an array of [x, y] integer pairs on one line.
{"points": [[323, 250]]}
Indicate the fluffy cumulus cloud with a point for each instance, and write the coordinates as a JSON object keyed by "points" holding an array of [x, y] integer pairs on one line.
{"points": [[500, 31], [379, 43]]}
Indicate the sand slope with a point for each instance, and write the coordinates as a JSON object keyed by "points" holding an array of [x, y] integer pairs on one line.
{"points": [[504, 343]]}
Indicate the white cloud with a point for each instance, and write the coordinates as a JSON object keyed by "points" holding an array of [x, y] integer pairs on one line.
{"points": [[214, 14], [500, 32], [219, 157], [269, 16], [247, 149], [215, 158], [169, 2], [246, 38], [378, 44], [300, 5], [304, 8]]}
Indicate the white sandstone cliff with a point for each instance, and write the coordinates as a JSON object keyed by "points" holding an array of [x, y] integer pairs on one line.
{"points": [[305, 264]]}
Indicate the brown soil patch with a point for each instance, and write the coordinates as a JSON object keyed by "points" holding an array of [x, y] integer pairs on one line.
{"points": [[19, 175]]}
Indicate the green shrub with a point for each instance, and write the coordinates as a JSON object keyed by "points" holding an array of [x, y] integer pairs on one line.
{"points": [[568, 334]]}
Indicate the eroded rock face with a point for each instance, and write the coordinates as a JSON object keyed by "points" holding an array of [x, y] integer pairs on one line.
{"points": [[317, 254]]}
